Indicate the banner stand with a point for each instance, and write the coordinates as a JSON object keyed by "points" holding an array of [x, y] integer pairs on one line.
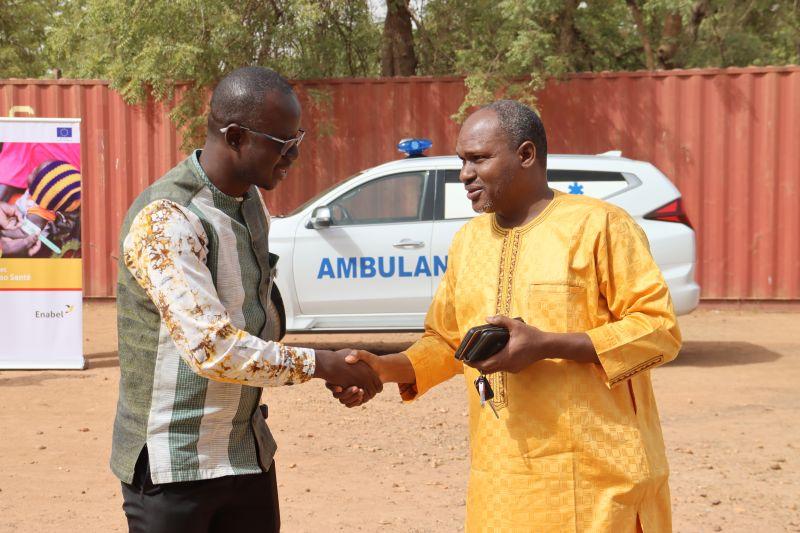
{"points": [[41, 287]]}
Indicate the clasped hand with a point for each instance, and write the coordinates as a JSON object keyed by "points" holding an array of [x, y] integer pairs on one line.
{"points": [[353, 396], [343, 371]]}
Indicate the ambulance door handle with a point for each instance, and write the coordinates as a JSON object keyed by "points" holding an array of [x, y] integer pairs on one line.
{"points": [[408, 244]]}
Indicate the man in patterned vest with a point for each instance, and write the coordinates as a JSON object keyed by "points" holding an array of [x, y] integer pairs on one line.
{"points": [[191, 445]]}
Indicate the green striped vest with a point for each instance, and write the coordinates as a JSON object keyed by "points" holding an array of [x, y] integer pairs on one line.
{"points": [[194, 428]]}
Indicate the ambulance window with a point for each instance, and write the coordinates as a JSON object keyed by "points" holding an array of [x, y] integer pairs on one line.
{"points": [[396, 198], [595, 183], [456, 204], [583, 175]]}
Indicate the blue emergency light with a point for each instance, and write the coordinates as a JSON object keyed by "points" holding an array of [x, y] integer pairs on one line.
{"points": [[414, 147]]}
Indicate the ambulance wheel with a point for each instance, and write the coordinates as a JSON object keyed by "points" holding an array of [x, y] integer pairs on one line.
{"points": [[274, 321]]}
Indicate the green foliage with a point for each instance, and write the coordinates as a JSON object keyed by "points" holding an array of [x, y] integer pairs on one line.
{"points": [[503, 47], [760, 32], [23, 25], [495, 44], [155, 45], [511, 47]]}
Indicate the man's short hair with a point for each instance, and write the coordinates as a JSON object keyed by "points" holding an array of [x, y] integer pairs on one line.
{"points": [[521, 123], [242, 91]]}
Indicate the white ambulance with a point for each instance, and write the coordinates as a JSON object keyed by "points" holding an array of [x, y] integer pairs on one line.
{"points": [[368, 253]]}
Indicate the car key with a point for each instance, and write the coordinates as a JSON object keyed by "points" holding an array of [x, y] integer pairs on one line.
{"points": [[485, 392]]}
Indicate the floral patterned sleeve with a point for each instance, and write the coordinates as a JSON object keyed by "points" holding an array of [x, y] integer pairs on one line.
{"points": [[165, 251]]}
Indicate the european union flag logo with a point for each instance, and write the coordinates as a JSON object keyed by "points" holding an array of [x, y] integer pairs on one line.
{"points": [[63, 132]]}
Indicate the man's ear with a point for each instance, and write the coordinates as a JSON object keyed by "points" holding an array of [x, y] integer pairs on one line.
{"points": [[527, 154], [233, 136]]}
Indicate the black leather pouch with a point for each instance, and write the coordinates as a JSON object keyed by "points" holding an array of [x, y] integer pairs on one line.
{"points": [[482, 342]]}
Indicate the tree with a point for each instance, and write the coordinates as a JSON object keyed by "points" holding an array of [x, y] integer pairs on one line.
{"points": [[510, 47], [152, 46], [23, 26], [494, 44], [706, 33], [758, 32], [502, 47], [397, 48]]}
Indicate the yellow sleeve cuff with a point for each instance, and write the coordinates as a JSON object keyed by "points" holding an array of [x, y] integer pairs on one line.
{"points": [[622, 360], [433, 363]]}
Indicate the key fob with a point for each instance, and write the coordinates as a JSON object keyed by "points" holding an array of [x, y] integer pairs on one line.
{"points": [[484, 389], [486, 393]]}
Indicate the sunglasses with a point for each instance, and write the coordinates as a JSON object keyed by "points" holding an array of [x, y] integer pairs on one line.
{"points": [[288, 144]]}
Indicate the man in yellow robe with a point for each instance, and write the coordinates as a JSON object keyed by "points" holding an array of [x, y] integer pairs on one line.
{"points": [[578, 444]]}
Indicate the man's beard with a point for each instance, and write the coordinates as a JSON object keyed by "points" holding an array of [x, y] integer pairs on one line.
{"points": [[490, 203], [488, 207]]}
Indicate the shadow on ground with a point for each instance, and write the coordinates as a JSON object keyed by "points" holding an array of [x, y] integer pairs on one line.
{"points": [[102, 360], [26, 378], [21, 378], [723, 353]]}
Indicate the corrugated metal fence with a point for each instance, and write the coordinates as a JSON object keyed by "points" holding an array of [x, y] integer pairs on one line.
{"points": [[728, 138]]}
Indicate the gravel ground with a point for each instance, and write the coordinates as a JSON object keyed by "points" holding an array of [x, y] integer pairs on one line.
{"points": [[729, 409]]}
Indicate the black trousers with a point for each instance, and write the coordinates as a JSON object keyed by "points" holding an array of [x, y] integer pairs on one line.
{"points": [[245, 503]]}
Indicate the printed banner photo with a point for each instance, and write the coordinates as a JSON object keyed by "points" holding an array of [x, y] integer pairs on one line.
{"points": [[41, 290]]}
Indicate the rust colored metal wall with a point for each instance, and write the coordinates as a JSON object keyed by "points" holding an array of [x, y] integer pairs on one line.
{"points": [[123, 149], [728, 138]]}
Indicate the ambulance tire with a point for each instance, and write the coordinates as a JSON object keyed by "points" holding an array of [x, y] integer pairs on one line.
{"points": [[275, 321]]}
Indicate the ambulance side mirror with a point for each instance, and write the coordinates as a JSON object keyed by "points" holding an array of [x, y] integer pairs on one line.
{"points": [[320, 217]]}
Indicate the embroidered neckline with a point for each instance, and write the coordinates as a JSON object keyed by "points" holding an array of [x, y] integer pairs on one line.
{"points": [[499, 230]]}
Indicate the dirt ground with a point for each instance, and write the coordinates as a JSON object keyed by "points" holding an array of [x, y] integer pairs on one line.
{"points": [[729, 408]]}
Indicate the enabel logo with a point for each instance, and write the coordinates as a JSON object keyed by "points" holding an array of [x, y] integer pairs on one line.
{"points": [[54, 314]]}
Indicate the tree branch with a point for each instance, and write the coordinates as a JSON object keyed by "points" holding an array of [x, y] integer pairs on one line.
{"points": [[797, 22], [699, 13], [673, 25], [566, 36], [638, 19], [397, 50], [422, 31]]}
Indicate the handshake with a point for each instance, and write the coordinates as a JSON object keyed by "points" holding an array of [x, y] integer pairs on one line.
{"points": [[354, 376]]}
